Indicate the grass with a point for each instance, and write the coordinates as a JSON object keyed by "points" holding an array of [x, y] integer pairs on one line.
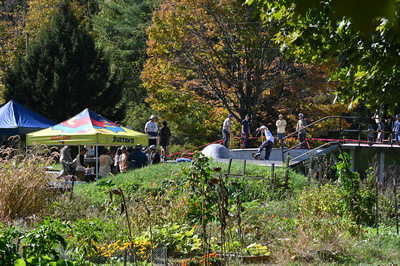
{"points": [[55, 167], [293, 223]]}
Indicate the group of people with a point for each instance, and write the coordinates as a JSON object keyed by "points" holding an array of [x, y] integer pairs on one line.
{"points": [[119, 161], [382, 125], [162, 138], [70, 165], [301, 128], [269, 138], [137, 158], [123, 158]]}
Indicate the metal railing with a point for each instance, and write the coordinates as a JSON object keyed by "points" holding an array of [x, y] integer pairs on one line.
{"points": [[341, 131]]}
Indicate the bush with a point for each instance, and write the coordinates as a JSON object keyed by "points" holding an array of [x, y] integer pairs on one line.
{"points": [[24, 183]]}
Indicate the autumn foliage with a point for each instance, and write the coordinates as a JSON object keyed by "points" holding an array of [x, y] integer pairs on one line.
{"points": [[210, 58]]}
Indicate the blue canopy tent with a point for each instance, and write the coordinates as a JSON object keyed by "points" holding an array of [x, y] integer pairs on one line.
{"points": [[16, 119]]}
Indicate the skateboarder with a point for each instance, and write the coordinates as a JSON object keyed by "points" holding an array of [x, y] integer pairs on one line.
{"points": [[267, 144]]}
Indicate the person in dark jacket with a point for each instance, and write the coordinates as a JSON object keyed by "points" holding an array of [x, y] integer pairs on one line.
{"points": [[137, 158], [164, 139]]}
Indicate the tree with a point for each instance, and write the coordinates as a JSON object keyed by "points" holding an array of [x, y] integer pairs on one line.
{"points": [[121, 30], [364, 51], [208, 58], [63, 72], [12, 37], [41, 12]]}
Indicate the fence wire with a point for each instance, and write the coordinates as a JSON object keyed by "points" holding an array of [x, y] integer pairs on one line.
{"points": [[156, 255]]}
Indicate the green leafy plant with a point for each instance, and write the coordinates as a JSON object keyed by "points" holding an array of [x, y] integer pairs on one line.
{"points": [[358, 197], [9, 245], [178, 237], [41, 246], [83, 241]]}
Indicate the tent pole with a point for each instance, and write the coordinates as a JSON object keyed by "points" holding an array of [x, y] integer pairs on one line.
{"points": [[97, 161]]}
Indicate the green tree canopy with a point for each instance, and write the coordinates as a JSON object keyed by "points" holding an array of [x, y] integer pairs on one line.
{"points": [[63, 72], [360, 39], [120, 29]]}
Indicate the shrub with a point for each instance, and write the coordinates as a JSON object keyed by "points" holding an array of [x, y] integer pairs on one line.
{"points": [[24, 182]]}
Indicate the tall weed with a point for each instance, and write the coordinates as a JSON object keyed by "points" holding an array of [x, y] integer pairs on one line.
{"points": [[24, 182]]}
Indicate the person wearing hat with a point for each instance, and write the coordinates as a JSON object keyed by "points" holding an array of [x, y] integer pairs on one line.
{"points": [[267, 144], [396, 129], [154, 156], [302, 134], [137, 158], [246, 130], [123, 160], [280, 128], [226, 130], [151, 129]]}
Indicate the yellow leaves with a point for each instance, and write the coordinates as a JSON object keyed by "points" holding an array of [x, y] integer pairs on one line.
{"points": [[12, 39], [40, 15]]}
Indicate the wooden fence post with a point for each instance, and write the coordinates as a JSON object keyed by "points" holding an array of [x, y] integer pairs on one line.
{"points": [[319, 175], [287, 171], [310, 170], [229, 167], [395, 204], [272, 172], [377, 210]]}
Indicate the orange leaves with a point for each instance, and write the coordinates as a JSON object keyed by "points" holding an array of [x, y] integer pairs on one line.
{"points": [[310, 93], [210, 58]]}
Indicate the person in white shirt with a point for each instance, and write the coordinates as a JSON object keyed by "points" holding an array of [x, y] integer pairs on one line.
{"points": [[117, 160], [226, 130], [151, 129], [267, 144]]}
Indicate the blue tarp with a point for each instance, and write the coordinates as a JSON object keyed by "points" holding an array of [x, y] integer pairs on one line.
{"points": [[16, 119]]}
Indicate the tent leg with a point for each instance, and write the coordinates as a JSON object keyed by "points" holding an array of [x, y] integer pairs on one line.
{"points": [[97, 161]]}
